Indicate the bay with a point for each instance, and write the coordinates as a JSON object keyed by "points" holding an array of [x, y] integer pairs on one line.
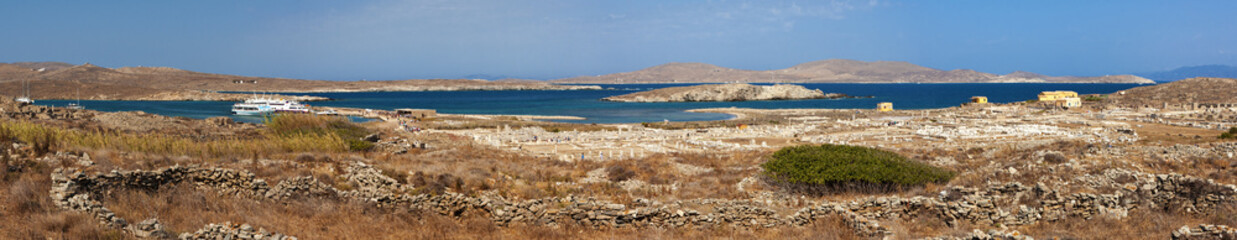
{"points": [[587, 103]]}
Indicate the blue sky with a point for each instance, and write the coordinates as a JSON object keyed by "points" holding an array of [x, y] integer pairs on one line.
{"points": [[411, 39]]}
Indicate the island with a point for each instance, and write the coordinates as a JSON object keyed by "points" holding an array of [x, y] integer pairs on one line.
{"points": [[726, 93], [833, 71]]}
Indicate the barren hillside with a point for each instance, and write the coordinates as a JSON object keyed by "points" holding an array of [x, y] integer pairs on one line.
{"points": [[1193, 90], [162, 83]]}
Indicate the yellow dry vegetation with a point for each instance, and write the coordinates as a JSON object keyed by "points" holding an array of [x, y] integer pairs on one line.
{"points": [[47, 136]]}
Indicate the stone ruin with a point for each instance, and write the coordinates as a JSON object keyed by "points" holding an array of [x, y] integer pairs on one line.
{"points": [[15, 110], [1205, 231], [1007, 204]]}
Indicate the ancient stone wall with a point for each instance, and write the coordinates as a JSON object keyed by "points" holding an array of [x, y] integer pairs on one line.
{"points": [[1008, 204]]}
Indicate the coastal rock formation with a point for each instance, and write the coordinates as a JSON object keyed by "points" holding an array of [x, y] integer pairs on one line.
{"points": [[725, 93], [834, 71], [129, 121], [10, 109]]}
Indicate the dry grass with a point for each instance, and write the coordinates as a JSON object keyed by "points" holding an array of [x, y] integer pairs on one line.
{"points": [[467, 169], [28, 213], [184, 209], [1160, 134], [45, 138]]}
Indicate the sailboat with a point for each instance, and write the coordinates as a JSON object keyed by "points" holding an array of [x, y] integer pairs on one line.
{"points": [[25, 98], [77, 105]]}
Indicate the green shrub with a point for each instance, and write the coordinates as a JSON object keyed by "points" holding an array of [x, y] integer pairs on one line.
{"points": [[840, 165], [1231, 134], [359, 145], [1093, 98]]}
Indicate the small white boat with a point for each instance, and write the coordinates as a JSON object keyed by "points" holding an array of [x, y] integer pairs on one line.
{"points": [[25, 98], [77, 105]]}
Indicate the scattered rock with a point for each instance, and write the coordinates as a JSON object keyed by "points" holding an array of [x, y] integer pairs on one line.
{"points": [[1205, 231], [371, 138]]}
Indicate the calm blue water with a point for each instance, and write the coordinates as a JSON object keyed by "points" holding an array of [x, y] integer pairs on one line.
{"points": [[587, 104]]}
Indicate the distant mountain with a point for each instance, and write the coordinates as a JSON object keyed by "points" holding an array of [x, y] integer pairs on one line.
{"points": [[1219, 71], [833, 71], [488, 77]]}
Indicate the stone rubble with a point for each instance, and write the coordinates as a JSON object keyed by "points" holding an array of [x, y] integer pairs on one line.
{"points": [[229, 230], [16, 110], [1205, 231], [993, 234]]}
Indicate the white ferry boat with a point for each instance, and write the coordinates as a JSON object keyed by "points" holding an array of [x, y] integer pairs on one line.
{"points": [[262, 105]]}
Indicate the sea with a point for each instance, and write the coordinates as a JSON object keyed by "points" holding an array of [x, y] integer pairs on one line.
{"points": [[588, 103]]}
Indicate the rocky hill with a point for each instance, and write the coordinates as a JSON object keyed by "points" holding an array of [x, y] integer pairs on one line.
{"points": [[833, 71], [56, 81], [1193, 90], [724, 93]]}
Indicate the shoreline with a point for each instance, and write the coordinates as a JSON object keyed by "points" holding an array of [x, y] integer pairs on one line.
{"points": [[375, 90], [381, 114], [862, 83]]}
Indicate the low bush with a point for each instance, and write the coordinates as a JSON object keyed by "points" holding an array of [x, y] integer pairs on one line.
{"points": [[1055, 157], [1231, 134], [618, 173], [835, 165]]}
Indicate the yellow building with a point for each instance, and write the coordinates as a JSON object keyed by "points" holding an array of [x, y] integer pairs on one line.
{"points": [[1048, 96], [1068, 102], [884, 106], [1064, 99], [979, 99]]}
